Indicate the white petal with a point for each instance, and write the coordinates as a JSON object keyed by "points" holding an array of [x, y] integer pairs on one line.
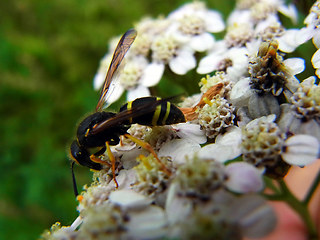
{"points": [[147, 224], [262, 26], [138, 92], [219, 152], [129, 199], [301, 150], [231, 137], [214, 21], [152, 74], [227, 146], [202, 42], [318, 72], [129, 157], [309, 20], [289, 11], [306, 34], [239, 56], [309, 82], [114, 93], [98, 81], [311, 128], [253, 47], [243, 116], [288, 121], [316, 39], [243, 178], [184, 62], [209, 64], [191, 132], [177, 209], [289, 41], [316, 59], [270, 118], [296, 65], [241, 92], [292, 85], [255, 216], [125, 180], [239, 17], [179, 149]]}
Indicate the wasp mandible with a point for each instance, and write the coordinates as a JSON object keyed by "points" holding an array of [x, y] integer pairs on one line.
{"points": [[101, 129]]}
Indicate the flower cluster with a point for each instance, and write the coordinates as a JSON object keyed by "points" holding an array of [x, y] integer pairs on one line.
{"points": [[253, 118], [172, 41]]}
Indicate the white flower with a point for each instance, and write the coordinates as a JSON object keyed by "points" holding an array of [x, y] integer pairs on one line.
{"points": [[312, 31], [234, 61], [134, 77], [300, 115], [192, 24], [167, 49], [260, 10]]}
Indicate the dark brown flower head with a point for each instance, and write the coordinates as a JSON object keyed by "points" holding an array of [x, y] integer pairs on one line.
{"points": [[267, 71]]}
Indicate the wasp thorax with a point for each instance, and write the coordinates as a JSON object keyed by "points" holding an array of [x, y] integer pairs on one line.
{"points": [[111, 135]]}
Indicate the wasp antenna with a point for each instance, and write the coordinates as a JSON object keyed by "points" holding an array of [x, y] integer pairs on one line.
{"points": [[75, 189]]}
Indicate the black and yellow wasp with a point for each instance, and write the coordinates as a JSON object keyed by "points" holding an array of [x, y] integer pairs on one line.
{"points": [[101, 129]]}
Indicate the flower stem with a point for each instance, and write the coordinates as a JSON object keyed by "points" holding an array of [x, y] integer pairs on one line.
{"points": [[300, 207], [312, 189]]}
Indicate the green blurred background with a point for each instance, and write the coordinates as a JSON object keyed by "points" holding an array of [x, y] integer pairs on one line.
{"points": [[49, 53]]}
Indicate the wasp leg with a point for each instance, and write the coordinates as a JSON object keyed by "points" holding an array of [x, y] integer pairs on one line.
{"points": [[147, 146], [121, 141], [113, 164], [96, 159]]}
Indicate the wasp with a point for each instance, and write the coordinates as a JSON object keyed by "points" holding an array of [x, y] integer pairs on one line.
{"points": [[101, 129]]}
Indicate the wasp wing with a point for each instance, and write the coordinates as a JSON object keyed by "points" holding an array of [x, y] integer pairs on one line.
{"points": [[118, 55], [123, 116]]}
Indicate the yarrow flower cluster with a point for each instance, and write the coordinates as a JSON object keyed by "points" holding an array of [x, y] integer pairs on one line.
{"points": [[252, 119]]}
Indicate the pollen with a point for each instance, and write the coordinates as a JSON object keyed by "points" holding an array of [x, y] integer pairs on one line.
{"points": [[210, 81], [238, 35], [164, 48], [142, 44], [192, 25], [150, 177], [131, 74], [262, 143], [306, 101], [199, 177], [215, 117]]}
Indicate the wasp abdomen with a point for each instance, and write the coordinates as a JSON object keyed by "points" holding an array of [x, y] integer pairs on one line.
{"points": [[164, 113]]}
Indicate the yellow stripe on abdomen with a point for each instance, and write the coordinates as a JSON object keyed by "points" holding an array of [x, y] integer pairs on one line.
{"points": [[156, 115], [129, 107], [167, 114]]}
